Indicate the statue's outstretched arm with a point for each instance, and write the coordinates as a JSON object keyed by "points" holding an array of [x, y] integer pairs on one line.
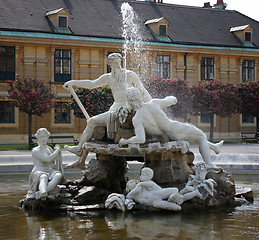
{"points": [[133, 192], [89, 84], [47, 159], [140, 135], [165, 102]]}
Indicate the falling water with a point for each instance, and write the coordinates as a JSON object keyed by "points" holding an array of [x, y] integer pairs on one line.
{"points": [[133, 40], [130, 31]]}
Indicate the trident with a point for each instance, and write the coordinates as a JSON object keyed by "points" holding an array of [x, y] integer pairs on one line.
{"points": [[72, 91]]}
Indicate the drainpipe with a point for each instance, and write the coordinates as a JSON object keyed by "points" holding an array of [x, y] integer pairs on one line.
{"points": [[185, 66]]}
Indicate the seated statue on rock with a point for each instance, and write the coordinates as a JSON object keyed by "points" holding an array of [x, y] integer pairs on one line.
{"points": [[151, 119], [119, 80], [43, 177]]}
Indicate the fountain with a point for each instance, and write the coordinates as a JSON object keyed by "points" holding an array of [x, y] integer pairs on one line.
{"points": [[137, 129]]}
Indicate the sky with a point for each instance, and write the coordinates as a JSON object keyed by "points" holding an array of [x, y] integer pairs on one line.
{"points": [[249, 8]]}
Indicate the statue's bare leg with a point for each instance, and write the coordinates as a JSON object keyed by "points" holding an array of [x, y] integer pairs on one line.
{"points": [[43, 182], [216, 147], [190, 195], [54, 181], [205, 153], [80, 163], [187, 189], [98, 120], [167, 205]]}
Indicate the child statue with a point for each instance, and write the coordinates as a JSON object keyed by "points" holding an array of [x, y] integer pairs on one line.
{"points": [[43, 177]]}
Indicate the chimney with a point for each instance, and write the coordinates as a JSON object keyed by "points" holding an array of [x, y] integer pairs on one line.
{"points": [[220, 4], [207, 5]]}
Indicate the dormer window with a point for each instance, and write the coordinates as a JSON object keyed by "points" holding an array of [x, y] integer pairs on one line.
{"points": [[58, 20], [158, 27], [162, 30], [248, 36], [62, 22], [244, 34]]}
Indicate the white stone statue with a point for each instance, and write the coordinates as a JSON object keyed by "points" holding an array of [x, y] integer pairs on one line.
{"points": [[44, 178], [117, 200], [149, 193], [151, 119], [118, 80], [198, 181]]}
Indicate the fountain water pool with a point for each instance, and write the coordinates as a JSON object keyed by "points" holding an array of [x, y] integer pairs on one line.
{"points": [[236, 223], [114, 225]]}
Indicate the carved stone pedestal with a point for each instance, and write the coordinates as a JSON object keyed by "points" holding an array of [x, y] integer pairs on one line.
{"points": [[170, 161], [107, 172], [170, 168]]}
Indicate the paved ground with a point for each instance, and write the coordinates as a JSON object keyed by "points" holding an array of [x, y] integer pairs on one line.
{"points": [[252, 148], [239, 158]]}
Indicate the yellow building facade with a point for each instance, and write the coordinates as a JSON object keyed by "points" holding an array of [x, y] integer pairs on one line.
{"points": [[57, 57]]}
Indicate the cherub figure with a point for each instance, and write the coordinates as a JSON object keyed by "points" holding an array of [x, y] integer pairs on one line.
{"points": [[43, 178]]}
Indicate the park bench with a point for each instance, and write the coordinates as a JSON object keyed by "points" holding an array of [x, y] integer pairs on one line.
{"points": [[67, 139], [249, 136]]}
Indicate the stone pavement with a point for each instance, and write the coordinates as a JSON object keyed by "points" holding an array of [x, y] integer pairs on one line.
{"points": [[237, 158]]}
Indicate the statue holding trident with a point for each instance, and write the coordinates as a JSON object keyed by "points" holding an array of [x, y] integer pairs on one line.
{"points": [[119, 80]]}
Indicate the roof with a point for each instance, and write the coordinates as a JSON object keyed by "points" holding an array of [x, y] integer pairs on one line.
{"points": [[102, 18]]}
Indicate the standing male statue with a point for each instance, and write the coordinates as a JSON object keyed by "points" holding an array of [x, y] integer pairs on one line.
{"points": [[119, 80]]}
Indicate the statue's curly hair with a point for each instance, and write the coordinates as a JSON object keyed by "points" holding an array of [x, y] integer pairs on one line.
{"points": [[41, 131], [133, 96]]}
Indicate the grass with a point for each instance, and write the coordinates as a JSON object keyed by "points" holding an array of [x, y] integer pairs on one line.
{"points": [[22, 147], [14, 147]]}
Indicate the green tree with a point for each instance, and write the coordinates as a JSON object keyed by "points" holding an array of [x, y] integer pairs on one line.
{"points": [[31, 96]]}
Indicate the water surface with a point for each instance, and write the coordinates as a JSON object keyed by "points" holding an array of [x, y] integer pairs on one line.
{"points": [[237, 223]]}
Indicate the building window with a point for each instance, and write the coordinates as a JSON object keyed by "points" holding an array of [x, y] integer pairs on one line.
{"points": [[248, 36], [205, 118], [163, 66], [6, 112], [247, 118], [62, 59], [162, 30], [62, 22], [207, 68], [7, 60], [248, 70], [62, 113]]}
